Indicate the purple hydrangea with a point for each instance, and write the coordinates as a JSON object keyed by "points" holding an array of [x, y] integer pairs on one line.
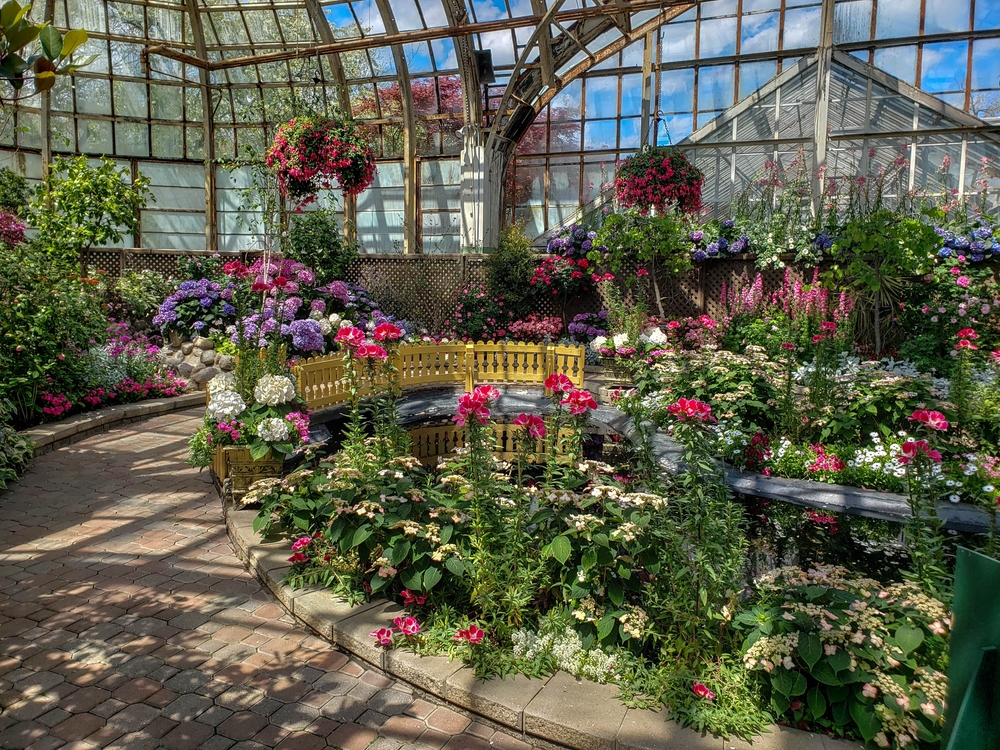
{"points": [[306, 335]]}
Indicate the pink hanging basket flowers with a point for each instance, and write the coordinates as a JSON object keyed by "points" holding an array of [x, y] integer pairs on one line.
{"points": [[310, 154]]}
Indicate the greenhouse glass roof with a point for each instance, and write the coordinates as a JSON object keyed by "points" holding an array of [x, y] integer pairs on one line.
{"points": [[570, 87]]}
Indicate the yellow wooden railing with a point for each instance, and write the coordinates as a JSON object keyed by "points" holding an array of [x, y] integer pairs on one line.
{"points": [[431, 442], [322, 382]]}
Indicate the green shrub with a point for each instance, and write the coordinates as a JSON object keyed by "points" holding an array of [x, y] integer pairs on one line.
{"points": [[49, 316], [15, 449], [850, 656], [317, 240], [13, 191], [79, 206], [509, 269]]}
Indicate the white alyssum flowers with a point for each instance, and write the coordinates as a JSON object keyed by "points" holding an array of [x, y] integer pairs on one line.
{"points": [[273, 390], [225, 406], [273, 430]]}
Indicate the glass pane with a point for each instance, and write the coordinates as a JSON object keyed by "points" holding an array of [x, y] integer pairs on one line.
{"points": [[168, 141], [938, 71], [898, 61], [898, 18], [601, 97], [130, 99], [754, 75], [131, 139], [942, 16], [166, 102], [715, 87], [801, 28], [718, 37], [94, 136], [759, 33], [93, 96], [852, 21]]}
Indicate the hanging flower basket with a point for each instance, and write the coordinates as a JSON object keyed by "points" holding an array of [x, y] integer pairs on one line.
{"points": [[659, 178], [310, 154]]}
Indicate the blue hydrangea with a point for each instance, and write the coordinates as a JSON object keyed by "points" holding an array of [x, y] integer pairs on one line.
{"points": [[944, 252], [712, 249], [699, 256]]}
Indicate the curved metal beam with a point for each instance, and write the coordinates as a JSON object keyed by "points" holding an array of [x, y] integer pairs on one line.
{"points": [[528, 88], [208, 123], [326, 36], [472, 107]]}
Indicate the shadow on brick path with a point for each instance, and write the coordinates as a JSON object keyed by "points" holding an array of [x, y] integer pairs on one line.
{"points": [[126, 621]]}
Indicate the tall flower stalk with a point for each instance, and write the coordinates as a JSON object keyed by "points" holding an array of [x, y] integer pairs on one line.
{"points": [[923, 531]]}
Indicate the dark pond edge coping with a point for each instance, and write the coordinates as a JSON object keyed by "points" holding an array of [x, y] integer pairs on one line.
{"points": [[434, 402], [559, 710], [52, 435]]}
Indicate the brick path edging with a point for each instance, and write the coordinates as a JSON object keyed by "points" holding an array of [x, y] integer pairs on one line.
{"points": [[577, 714], [53, 435]]}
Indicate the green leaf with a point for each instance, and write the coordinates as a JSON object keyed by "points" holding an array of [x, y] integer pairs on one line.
{"points": [[825, 674], [258, 449], [605, 626], [616, 593], [781, 703], [432, 576], [446, 532], [51, 41], [560, 548], [866, 720], [455, 565], [841, 716], [9, 12], [788, 682], [816, 701], [399, 552], [412, 578], [72, 41], [589, 559], [840, 661], [810, 649], [908, 638]]}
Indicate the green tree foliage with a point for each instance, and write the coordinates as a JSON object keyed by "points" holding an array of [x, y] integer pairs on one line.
{"points": [[79, 206], [13, 191], [316, 239], [509, 269]]}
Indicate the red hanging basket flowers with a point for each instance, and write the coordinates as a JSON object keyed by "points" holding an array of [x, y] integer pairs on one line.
{"points": [[309, 153], [659, 177]]}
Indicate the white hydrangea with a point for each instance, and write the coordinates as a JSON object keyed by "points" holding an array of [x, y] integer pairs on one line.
{"points": [[345, 323], [224, 381], [334, 319], [598, 343], [273, 430], [225, 406], [324, 326], [273, 390], [653, 335], [620, 340]]}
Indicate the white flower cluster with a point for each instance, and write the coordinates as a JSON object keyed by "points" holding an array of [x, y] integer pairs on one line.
{"points": [[653, 335], [273, 430], [567, 648], [619, 340], [325, 326], [272, 390], [600, 342], [224, 381], [225, 406]]}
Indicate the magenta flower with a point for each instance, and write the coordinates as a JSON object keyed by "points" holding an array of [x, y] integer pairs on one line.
{"points": [[383, 636], [407, 625], [301, 543]]}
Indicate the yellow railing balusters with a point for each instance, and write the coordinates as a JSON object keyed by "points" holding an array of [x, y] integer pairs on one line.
{"points": [[321, 379]]}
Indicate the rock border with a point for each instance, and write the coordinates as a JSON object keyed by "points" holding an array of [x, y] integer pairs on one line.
{"points": [[561, 709], [52, 435]]}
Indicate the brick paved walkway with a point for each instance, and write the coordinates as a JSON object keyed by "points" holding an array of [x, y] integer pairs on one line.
{"points": [[126, 621]]}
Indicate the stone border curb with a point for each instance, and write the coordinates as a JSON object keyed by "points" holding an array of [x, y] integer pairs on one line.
{"points": [[49, 437], [571, 713]]}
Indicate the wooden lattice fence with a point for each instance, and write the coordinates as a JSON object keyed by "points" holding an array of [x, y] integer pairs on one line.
{"points": [[422, 288]]}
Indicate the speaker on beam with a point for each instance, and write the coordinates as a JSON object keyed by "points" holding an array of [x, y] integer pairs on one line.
{"points": [[484, 66]]}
